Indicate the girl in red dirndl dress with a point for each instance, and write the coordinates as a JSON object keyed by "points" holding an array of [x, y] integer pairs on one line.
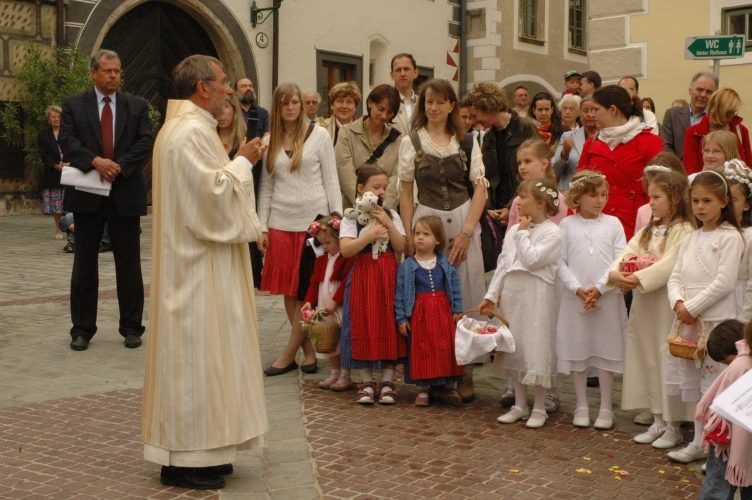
{"points": [[369, 333], [427, 302]]}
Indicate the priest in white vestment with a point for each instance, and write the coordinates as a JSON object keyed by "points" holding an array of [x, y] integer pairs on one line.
{"points": [[203, 390]]}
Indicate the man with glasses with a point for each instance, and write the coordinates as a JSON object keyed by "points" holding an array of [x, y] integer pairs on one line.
{"points": [[677, 120], [311, 103]]}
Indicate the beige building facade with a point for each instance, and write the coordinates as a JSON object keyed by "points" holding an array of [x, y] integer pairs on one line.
{"points": [[321, 42], [530, 42], [646, 39]]}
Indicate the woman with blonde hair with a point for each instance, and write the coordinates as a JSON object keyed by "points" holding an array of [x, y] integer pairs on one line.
{"points": [[299, 181], [721, 114], [231, 127], [344, 99]]}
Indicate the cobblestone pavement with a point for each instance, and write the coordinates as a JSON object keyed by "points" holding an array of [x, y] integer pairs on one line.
{"points": [[70, 421]]}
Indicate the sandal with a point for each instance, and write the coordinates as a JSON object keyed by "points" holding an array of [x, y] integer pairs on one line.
{"points": [[422, 399], [342, 384], [453, 397], [389, 396], [329, 381], [365, 397]]}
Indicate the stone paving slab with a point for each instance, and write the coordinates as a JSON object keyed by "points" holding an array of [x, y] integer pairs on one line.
{"points": [[70, 421]]}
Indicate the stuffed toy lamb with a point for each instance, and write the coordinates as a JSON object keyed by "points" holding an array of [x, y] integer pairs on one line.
{"points": [[359, 212]]}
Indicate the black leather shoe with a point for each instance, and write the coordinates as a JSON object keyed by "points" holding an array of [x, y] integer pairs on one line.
{"points": [[219, 470], [593, 382], [80, 343], [192, 478], [104, 247], [310, 367], [132, 341], [68, 248], [273, 371]]}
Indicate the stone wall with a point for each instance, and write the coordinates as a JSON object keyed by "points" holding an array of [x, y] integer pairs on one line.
{"points": [[21, 22]]}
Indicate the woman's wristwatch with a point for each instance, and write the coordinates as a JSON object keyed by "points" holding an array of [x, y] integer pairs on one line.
{"points": [[468, 234]]}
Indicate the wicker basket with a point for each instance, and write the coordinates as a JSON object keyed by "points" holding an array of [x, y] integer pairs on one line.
{"points": [[679, 349], [323, 333]]}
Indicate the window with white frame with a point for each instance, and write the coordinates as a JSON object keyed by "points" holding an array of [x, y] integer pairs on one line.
{"points": [[531, 21], [577, 26], [738, 21]]}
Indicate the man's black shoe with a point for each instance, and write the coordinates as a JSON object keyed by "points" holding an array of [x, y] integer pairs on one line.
{"points": [[104, 247], [192, 478], [68, 248], [132, 341], [593, 382], [79, 343]]}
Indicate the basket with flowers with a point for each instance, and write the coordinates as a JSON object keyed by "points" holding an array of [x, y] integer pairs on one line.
{"points": [[322, 327]]}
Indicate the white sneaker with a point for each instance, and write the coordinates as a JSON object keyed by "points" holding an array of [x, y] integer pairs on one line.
{"points": [[688, 454], [644, 418], [654, 432], [537, 419], [581, 417], [552, 400], [672, 437], [515, 414], [605, 420]]}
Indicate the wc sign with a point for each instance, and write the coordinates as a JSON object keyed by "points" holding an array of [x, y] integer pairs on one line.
{"points": [[714, 47]]}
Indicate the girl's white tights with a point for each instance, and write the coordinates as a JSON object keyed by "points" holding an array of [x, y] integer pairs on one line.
{"points": [[606, 383], [520, 397]]}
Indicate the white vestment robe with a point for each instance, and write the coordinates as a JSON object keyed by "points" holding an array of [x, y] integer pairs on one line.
{"points": [[203, 385]]}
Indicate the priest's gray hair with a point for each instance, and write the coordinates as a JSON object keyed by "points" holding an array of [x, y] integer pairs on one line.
{"points": [[190, 71]]}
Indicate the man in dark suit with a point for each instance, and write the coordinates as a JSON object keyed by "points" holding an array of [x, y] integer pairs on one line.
{"points": [[246, 94], [111, 132], [677, 120]]}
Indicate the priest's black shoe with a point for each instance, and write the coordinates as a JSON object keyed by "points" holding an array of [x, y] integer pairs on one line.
{"points": [[80, 343], [273, 370], [192, 478], [220, 470]]}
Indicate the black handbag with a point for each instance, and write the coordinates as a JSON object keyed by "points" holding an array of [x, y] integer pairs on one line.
{"points": [[491, 238]]}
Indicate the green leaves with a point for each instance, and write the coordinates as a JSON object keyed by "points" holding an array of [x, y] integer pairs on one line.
{"points": [[47, 77]]}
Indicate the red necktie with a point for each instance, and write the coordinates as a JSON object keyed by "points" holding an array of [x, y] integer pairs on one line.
{"points": [[106, 123]]}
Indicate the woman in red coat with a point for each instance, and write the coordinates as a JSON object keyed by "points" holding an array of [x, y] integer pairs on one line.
{"points": [[720, 115], [620, 151]]}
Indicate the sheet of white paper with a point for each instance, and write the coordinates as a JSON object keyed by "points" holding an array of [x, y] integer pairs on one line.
{"points": [[71, 176], [735, 403]]}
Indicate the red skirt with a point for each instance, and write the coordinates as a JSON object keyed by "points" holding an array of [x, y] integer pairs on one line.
{"points": [[281, 274], [432, 331], [373, 329]]}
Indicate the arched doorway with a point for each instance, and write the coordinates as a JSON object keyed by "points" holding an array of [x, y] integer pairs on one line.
{"points": [[152, 36], [151, 39]]}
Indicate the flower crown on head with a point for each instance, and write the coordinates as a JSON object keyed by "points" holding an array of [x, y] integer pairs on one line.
{"points": [[551, 193], [331, 225], [585, 178], [737, 170]]}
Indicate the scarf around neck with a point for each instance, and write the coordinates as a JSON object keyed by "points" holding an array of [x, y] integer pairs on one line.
{"points": [[613, 136]]}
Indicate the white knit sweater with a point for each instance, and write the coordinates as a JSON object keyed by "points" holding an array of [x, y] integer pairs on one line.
{"points": [[289, 201]]}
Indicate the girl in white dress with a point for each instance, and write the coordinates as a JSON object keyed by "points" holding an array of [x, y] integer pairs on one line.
{"points": [[651, 316], [703, 284], [591, 324], [523, 289], [739, 178]]}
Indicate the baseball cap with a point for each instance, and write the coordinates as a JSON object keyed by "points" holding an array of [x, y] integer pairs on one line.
{"points": [[571, 73]]}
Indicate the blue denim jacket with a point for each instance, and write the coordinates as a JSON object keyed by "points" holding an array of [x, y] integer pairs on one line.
{"points": [[405, 295]]}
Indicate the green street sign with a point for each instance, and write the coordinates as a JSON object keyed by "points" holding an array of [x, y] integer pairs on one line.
{"points": [[714, 47]]}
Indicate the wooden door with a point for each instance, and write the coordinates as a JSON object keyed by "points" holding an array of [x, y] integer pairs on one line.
{"points": [[151, 39]]}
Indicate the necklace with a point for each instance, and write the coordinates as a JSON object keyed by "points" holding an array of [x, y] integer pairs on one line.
{"points": [[588, 227], [289, 134]]}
